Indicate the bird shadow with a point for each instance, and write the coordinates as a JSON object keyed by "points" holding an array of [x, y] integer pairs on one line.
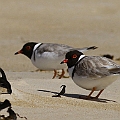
{"points": [[4, 93], [79, 96]]}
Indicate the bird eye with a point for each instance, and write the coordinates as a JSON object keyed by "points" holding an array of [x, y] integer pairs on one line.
{"points": [[74, 56], [28, 47]]}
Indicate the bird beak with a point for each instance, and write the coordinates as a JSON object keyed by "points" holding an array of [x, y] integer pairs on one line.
{"points": [[64, 61], [19, 52]]}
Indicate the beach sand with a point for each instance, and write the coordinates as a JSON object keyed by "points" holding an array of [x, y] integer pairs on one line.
{"points": [[72, 22]]}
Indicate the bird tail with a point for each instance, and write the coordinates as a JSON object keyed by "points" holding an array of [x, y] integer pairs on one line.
{"points": [[85, 49], [115, 70]]}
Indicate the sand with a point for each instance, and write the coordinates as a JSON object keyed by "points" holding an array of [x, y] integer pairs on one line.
{"points": [[72, 22]]}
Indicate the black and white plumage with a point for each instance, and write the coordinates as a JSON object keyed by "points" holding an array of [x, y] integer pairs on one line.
{"points": [[62, 92], [4, 83], [91, 72], [47, 56]]}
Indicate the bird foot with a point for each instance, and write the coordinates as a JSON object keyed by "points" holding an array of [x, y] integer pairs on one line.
{"points": [[62, 76], [88, 98]]}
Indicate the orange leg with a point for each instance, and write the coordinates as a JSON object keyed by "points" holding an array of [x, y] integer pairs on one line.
{"points": [[88, 97], [55, 73], [99, 93], [63, 72]]}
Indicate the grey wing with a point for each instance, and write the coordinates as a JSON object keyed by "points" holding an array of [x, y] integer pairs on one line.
{"points": [[96, 67], [58, 49]]}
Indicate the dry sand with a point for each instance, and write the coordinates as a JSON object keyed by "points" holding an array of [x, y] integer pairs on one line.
{"points": [[77, 23]]}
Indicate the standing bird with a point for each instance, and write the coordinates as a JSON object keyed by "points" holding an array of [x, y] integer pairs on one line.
{"points": [[91, 72], [47, 56], [62, 92], [4, 83]]}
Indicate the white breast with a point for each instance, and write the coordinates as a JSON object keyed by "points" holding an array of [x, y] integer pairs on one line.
{"points": [[47, 61], [88, 83], [99, 83]]}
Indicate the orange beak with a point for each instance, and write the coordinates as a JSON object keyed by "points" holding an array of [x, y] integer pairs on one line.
{"points": [[19, 52], [64, 61]]}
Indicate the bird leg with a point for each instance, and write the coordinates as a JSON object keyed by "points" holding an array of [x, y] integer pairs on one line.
{"points": [[55, 73], [99, 94], [62, 74], [88, 97]]}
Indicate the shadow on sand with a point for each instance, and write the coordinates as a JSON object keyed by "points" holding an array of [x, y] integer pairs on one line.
{"points": [[79, 96]]}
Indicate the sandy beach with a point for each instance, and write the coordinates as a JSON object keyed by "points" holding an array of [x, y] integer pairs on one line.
{"points": [[72, 22]]}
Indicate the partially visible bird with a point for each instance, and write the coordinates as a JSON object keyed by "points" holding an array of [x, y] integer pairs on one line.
{"points": [[4, 83], [91, 72], [5, 104], [61, 93], [47, 56]]}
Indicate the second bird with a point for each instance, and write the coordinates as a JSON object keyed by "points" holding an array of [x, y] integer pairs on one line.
{"points": [[47, 56]]}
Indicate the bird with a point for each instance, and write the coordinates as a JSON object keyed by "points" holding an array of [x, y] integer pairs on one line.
{"points": [[3, 82], [5, 104], [47, 56], [62, 92], [93, 73]]}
